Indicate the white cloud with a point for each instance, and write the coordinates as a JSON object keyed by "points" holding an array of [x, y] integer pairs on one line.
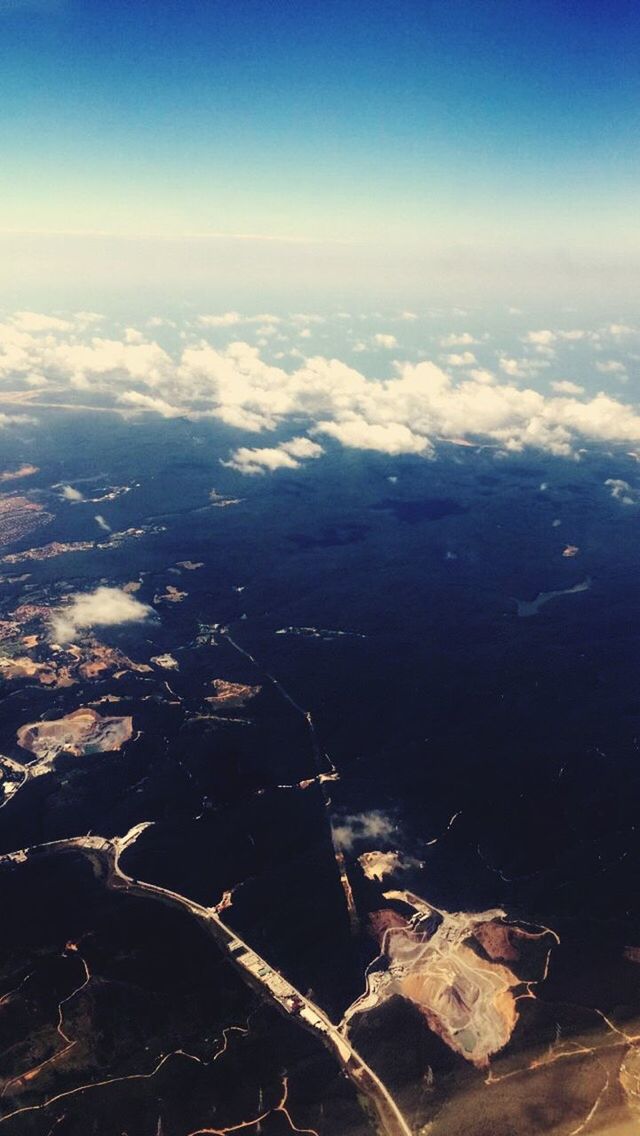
{"points": [[287, 455], [35, 322], [482, 376], [512, 367], [611, 367], [313, 317], [464, 339], [160, 321], [302, 448], [259, 460], [140, 401], [545, 337], [374, 825], [84, 319], [230, 319], [390, 438], [226, 319], [104, 607], [382, 339], [70, 493], [621, 491], [99, 519], [564, 386], [13, 420], [465, 359], [520, 368]]}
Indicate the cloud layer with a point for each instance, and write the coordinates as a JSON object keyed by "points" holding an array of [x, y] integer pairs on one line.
{"points": [[406, 408]]}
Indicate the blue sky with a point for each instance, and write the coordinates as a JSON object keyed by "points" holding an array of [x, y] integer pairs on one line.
{"points": [[401, 129]]}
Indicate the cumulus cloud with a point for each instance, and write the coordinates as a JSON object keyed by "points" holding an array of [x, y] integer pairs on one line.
{"points": [[464, 339], [464, 359], [356, 828], [226, 319], [288, 455], [481, 375], [543, 337], [382, 339], [104, 607], [621, 491], [230, 319], [390, 438], [611, 367], [70, 493], [104, 525], [519, 368], [564, 386]]}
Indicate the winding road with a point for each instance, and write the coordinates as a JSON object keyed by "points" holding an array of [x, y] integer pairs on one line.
{"points": [[105, 855]]}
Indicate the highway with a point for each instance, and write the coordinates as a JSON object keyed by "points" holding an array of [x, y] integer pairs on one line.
{"points": [[105, 855]]}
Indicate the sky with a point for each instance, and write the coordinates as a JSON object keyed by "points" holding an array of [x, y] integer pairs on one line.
{"points": [[460, 145]]}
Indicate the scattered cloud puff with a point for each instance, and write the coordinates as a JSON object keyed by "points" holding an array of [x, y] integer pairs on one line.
{"points": [[230, 319], [287, 455], [481, 375], [545, 337], [104, 607], [621, 491], [520, 368], [356, 828], [382, 339], [611, 367], [465, 359], [464, 339], [380, 865], [226, 319], [564, 386], [70, 493], [7, 420]]}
